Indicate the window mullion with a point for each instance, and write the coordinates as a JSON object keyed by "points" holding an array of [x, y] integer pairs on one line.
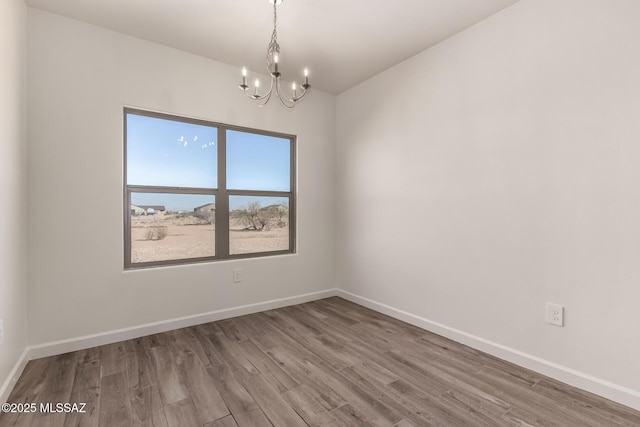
{"points": [[222, 200]]}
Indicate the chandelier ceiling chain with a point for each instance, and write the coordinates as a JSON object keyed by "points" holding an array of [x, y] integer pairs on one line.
{"points": [[273, 59], [274, 47]]}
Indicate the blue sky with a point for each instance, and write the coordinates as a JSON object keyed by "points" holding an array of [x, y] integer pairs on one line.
{"points": [[168, 153], [257, 162], [174, 154]]}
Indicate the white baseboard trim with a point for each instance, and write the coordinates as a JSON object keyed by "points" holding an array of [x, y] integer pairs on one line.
{"points": [[606, 389], [87, 341], [567, 375], [15, 373]]}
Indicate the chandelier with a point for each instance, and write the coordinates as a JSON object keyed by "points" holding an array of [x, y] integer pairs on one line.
{"points": [[273, 59]]}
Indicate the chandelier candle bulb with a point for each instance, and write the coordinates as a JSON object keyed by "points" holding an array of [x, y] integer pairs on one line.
{"points": [[244, 76]]}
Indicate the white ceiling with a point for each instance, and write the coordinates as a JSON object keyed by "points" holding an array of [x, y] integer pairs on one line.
{"points": [[341, 42]]}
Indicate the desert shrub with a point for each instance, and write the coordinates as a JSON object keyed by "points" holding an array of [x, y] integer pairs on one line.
{"points": [[253, 217], [207, 216], [157, 233]]}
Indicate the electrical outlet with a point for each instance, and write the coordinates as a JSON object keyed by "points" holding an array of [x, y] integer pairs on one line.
{"points": [[237, 275], [555, 314], [1, 331]]}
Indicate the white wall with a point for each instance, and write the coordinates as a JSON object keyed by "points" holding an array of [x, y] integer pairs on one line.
{"points": [[80, 77], [498, 171], [13, 184]]}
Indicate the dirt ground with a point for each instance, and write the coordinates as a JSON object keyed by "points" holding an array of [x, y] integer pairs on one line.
{"points": [[246, 241], [190, 237]]}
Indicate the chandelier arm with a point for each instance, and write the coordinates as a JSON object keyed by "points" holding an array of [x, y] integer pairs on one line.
{"points": [[265, 101], [282, 100]]}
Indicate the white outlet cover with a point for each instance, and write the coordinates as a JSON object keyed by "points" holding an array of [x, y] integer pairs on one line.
{"points": [[555, 314], [237, 275]]}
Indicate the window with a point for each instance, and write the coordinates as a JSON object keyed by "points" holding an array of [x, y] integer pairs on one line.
{"points": [[199, 191]]}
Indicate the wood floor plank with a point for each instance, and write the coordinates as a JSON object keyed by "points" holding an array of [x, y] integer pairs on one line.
{"points": [[115, 404], [86, 390], [276, 334], [476, 415], [256, 332], [182, 413], [113, 358], [205, 329], [489, 406], [195, 344], [279, 379], [227, 421], [231, 330], [61, 374], [209, 351], [323, 363], [333, 311], [50, 417], [171, 386], [304, 323], [432, 409], [243, 407], [233, 355], [203, 391], [303, 375], [375, 412], [271, 403], [141, 370], [374, 372], [147, 408], [303, 400], [387, 397], [349, 416], [599, 408], [288, 324], [31, 384]]}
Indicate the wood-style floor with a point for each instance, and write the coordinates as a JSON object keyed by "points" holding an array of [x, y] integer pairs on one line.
{"points": [[325, 363]]}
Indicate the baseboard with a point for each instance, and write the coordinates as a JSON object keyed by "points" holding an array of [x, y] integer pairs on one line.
{"points": [[79, 343], [614, 392], [606, 389], [15, 373]]}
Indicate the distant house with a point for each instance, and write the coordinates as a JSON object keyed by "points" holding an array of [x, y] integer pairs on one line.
{"points": [[209, 207], [152, 209], [137, 210]]}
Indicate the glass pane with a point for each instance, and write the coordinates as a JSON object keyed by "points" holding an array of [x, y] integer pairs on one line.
{"points": [[258, 162], [171, 154], [258, 224], [172, 226]]}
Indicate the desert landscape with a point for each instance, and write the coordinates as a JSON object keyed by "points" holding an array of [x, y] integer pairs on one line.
{"points": [[171, 235]]}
